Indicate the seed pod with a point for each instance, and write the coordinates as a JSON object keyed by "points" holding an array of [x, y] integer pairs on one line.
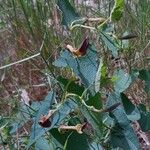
{"points": [[127, 37], [111, 108]]}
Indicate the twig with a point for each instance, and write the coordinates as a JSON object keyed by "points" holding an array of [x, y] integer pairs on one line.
{"points": [[20, 61], [25, 59]]}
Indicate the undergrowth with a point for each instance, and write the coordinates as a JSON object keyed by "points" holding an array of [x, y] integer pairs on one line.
{"points": [[70, 74]]}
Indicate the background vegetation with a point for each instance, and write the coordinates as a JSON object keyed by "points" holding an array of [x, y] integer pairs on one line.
{"points": [[99, 100]]}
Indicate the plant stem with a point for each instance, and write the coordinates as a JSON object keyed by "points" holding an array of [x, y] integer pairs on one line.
{"points": [[91, 108]]}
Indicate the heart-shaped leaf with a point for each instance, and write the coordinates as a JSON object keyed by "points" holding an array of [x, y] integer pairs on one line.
{"points": [[117, 10], [122, 134], [71, 86], [144, 121], [84, 67], [123, 81], [123, 137], [68, 12], [110, 43], [131, 110]]}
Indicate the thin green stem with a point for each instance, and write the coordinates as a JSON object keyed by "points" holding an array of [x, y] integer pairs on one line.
{"points": [[91, 108], [82, 26]]}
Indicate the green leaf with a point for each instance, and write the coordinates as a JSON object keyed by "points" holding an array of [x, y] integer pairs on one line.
{"points": [[77, 142], [62, 111], [142, 107], [84, 67], [145, 75], [95, 119], [123, 137], [122, 134], [131, 110], [71, 86], [117, 10], [95, 146], [95, 101], [60, 137], [123, 81], [110, 43], [105, 80], [42, 109], [118, 114], [144, 122], [42, 144], [68, 12], [98, 76], [45, 105]]}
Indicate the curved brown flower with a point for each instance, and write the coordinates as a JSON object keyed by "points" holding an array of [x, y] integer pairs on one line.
{"points": [[81, 51], [44, 121]]}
